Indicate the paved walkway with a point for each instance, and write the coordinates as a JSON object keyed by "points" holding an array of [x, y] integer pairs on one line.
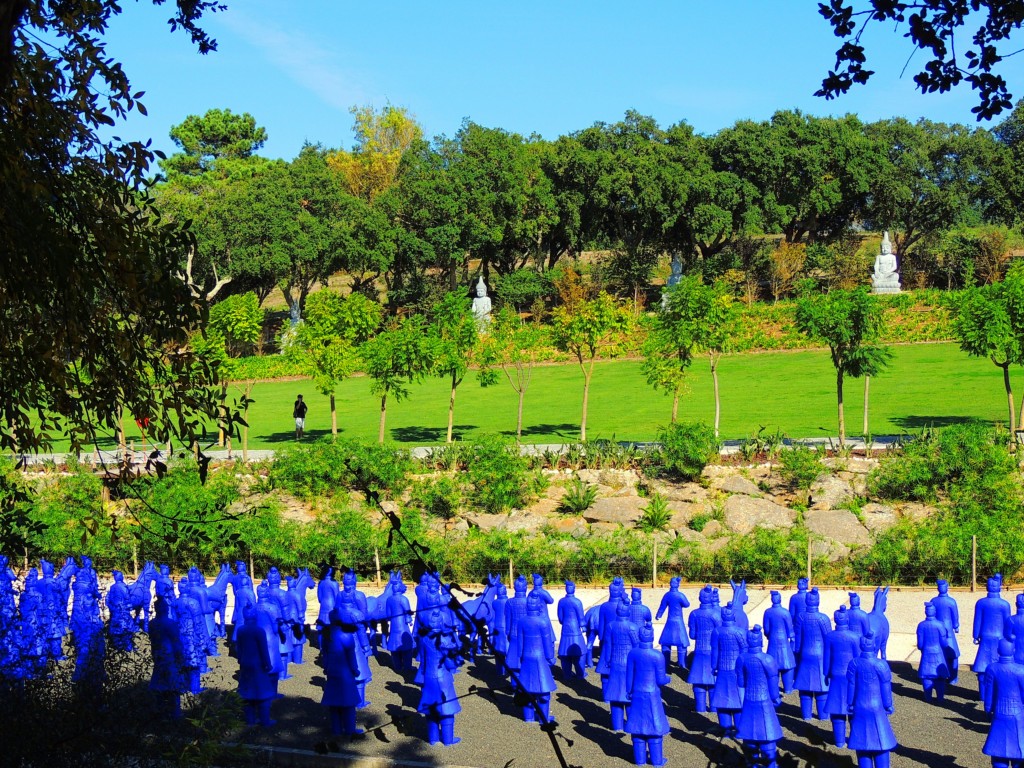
{"points": [[729, 448]]}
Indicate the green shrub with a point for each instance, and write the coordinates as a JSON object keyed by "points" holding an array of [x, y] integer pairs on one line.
{"points": [[656, 514], [498, 474], [800, 466], [579, 497], [441, 496], [324, 468], [767, 556], [687, 448], [966, 456]]}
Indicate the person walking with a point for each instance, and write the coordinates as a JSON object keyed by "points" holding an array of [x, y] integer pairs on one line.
{"points": [[299, 414]]}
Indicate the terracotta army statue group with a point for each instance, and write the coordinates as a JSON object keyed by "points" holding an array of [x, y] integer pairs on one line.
{"points": [[738, 670]]}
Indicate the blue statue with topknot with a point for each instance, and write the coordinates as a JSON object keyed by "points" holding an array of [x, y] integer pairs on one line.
{"points": [[645, 715]]}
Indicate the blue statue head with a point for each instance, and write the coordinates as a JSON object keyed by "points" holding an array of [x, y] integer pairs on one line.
{"points": [[842, 617], [754, 638], [776, 597]]}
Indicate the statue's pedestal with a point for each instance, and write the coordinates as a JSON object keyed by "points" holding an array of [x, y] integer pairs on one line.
{"points": [[886, 284]]}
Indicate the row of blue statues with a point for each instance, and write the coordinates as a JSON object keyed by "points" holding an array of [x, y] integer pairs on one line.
{"points": [[737, 670]]}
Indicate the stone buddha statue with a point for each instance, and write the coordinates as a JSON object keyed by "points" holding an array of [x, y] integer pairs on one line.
{"points": [[482, 304], [884, 278]]}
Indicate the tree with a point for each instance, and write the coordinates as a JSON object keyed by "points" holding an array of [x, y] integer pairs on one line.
{"points": [[511, 345], [94, 317], [235, 327], [455, 328], [849, 323], [931, 26], [397, 358], [583, 330], [636, 193], [812, 175], [372, 166], [239, 319], [928, 182], [330, 336], [211, 141], [787, 262], [694, 318], [989, 322]]}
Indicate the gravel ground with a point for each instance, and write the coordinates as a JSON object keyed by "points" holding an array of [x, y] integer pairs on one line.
{"points": [[493, 733]]}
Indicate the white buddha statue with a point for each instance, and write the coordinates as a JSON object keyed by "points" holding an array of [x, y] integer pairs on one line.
{"points": [[885, 278], [482, 304]]}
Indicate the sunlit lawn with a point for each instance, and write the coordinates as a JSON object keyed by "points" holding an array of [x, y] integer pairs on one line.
{"points": [[792, 391]]}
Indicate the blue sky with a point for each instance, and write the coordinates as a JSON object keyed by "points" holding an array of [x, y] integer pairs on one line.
{"points": [[548, 67]]}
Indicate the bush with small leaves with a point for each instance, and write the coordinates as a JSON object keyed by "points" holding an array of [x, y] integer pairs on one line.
{"points": [[687, 448], [800, 466], [498, 474]]}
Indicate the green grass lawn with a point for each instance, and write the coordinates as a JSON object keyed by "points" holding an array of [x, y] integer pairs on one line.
{"points": [[928, 384]]}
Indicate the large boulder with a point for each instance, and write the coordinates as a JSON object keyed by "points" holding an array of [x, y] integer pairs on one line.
{"points": [[829, 491], [623, 510], [736, 484], [745, 513], [574, 526], [516, 521], [878, 517], [837, 525]]}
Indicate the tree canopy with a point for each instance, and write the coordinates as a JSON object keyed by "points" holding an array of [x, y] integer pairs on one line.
{"points": [[938, 27], [94, 315]]}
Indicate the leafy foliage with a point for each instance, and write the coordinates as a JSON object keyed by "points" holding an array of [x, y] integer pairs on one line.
{"points": [[498, 475], [325, 468], [931, 25], [656, 516], [686, 448], [579, 497], [800, 466], [94, 317]]}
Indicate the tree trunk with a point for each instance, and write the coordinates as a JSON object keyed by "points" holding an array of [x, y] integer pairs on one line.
{"points": [[519, 416], [334, 418], [1009, 397], [675, 405], [718, 400], [842, 416], [383, 416], [867, 385], [586, 398], [451, 409]]}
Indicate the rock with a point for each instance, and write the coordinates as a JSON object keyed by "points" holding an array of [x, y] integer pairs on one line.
{"points": [[604, 529], [717, 545], [619, 478], [692, 492], [591, 476], [573, 526], [687, 534], [829, 491], [860, 465], [715, 471], [878, 517], [745, 513], [712, 529], [554, 491], [736, 484], [622, 510], [516, 521], [545, 507], [830, 550], [916, 510], [838, 525]]}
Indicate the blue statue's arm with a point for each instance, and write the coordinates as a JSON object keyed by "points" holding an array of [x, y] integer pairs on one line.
{"points": [[662, 606]]}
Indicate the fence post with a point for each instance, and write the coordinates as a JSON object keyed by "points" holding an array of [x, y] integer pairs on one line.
{"points": [[654, 564], [808, 559], [511, 579], [974, 563], [376, 560]]}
